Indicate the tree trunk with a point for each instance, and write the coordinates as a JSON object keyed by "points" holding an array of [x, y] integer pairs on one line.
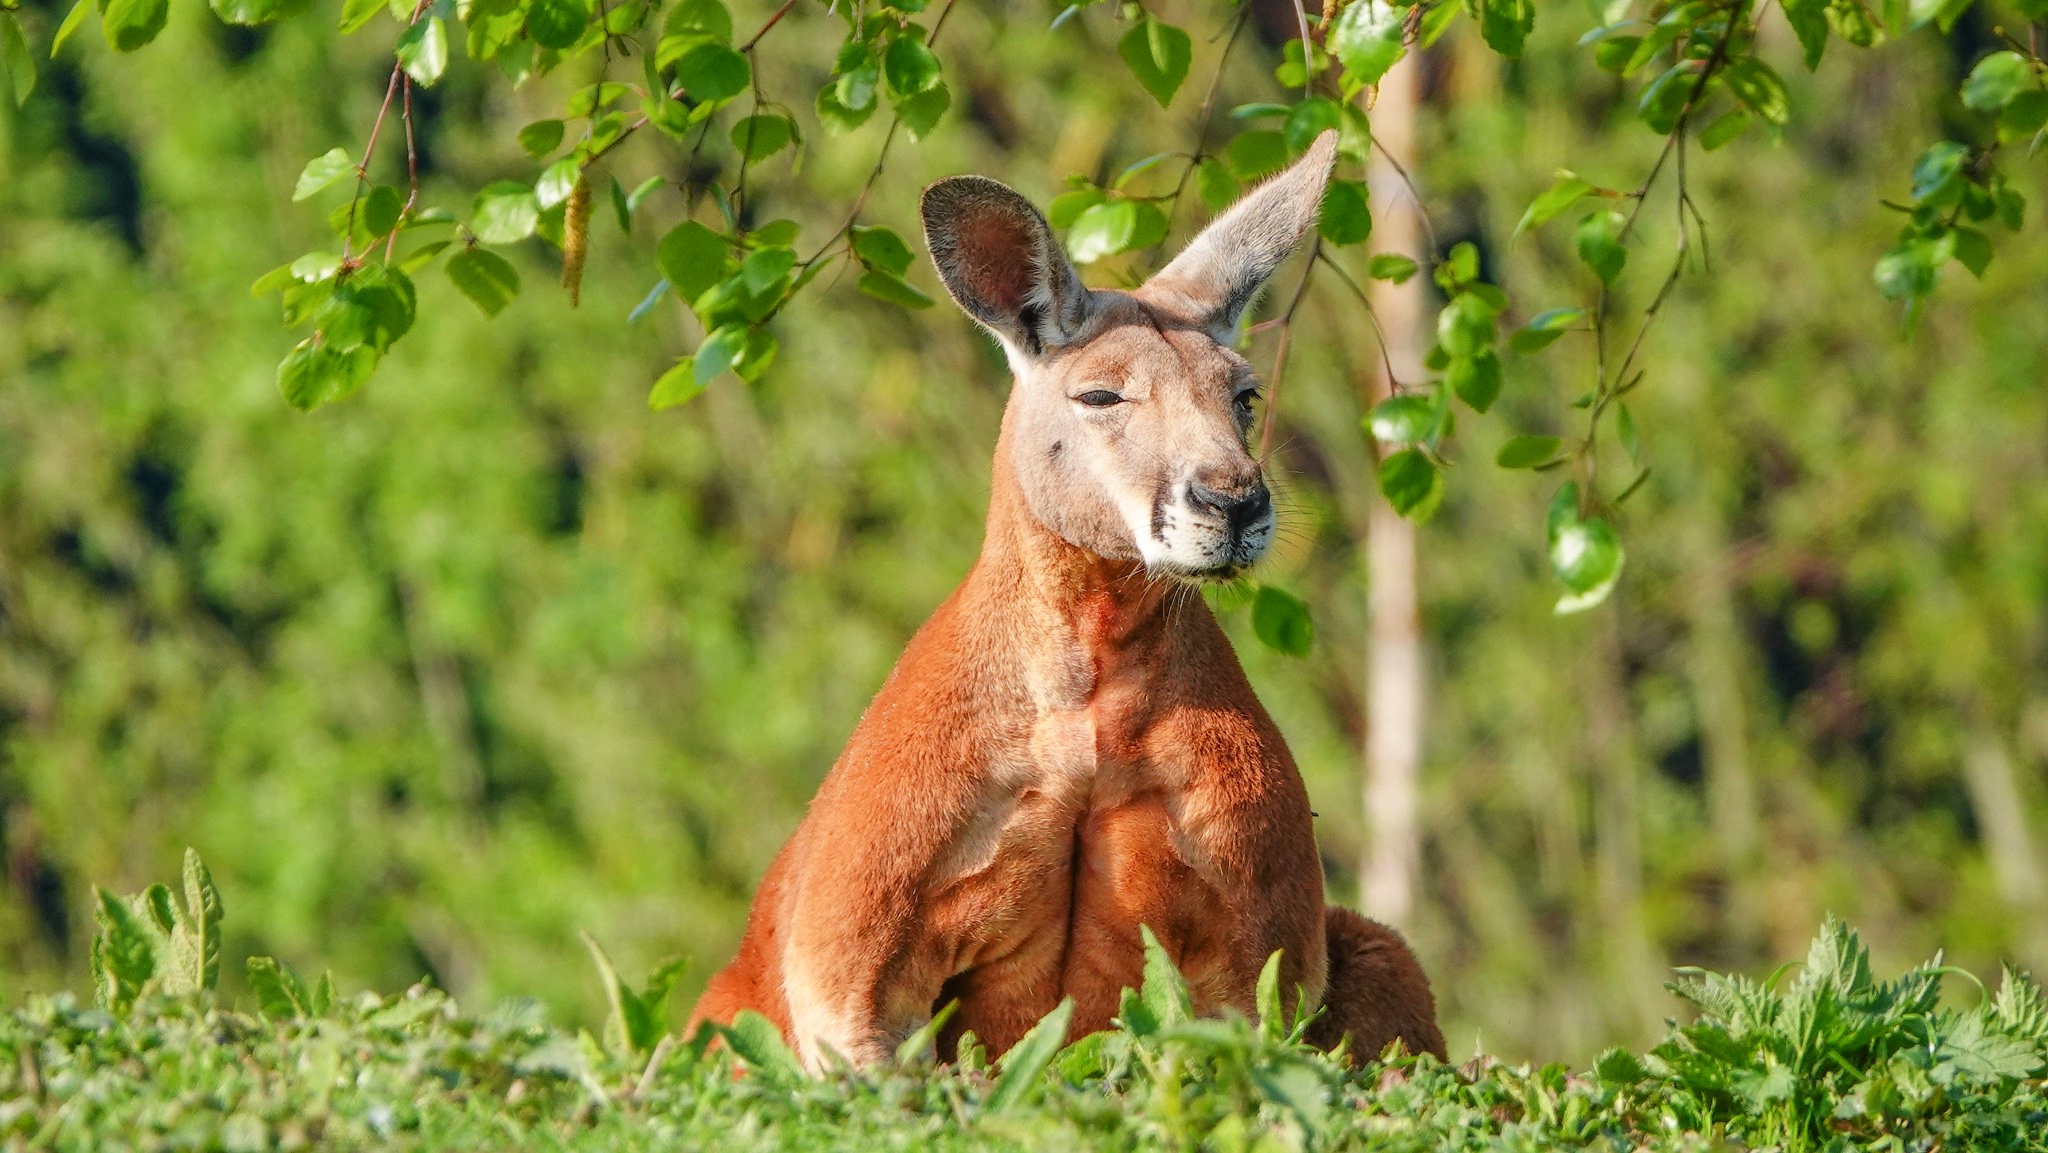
{"points": [[2001, 813], [1394, 672]]}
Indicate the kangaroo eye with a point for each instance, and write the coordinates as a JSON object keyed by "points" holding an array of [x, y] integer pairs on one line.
{"points": [[1246, 397], [1099, 398]]}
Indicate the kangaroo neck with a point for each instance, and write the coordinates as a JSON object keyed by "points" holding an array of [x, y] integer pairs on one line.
{"points": [[1061, 603]]}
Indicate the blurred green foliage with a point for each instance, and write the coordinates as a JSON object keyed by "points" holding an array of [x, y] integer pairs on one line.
{"points": [[491, 653]]}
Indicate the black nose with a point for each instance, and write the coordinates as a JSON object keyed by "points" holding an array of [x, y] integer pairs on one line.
{"points": [[1239, 511]]}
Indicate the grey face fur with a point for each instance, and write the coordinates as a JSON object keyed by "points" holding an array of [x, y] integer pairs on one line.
{"points": [[1127, 423]]}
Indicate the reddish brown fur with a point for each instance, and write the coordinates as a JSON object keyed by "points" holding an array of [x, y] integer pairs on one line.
{"points": [[1068, 749], [1187, 814]]}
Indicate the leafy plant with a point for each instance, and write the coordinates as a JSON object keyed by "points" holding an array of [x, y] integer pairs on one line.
{"points": [[1835, 1059]]}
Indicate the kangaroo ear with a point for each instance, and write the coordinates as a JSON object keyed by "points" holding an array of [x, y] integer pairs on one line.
{"points": [[1222, 269], [1001, 264]]}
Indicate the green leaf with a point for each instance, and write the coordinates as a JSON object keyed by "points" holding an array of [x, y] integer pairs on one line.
{"points": [[322, 171], [423, 51], [557, 182], [759, 354], [720, 351], [1527, 452], [372, 305], [356, 13], [921, 113], [1165, 991], [710, 71], [1943, 14], [1411, 484], [315, 373], [247, 13], [1973, 250], [1402, 420], [1587, 558], [762, 135], [1938, 168], [1726, 127], [629, 1027], [1565, 192], [1256, 153], [1068, 206], [1466, 325], [755, 1040], [487, 279], [1367, 39], [1281, 622], [908, 66], [1545, 327], [2023, 116], [280, 995], [919, 1045], [1476, 378], [1909, 270], [1996, 80], [1025, 1064], [422, 256], [195, 937], [1273, 1023], [557, 24], [1625, 431], [707, 16], [1390, 266], [1158, 54], [693, 258], [882, 248], [1346, 219], [541, 137], [72, 23], [1809, 20], [16, 60], [1666, 96], [1310, 119], [836, 116], [505, 212], [1115, 226], [1505, 24], [130, 24], [764, 268], [124, 953], [884, 285], [676, 386], [1214, 184], [1600, 247], [1756, 84], [858, 73], [380, 211]]}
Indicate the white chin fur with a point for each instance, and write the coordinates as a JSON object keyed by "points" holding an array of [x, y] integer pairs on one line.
{"points": [[1188, 545]]}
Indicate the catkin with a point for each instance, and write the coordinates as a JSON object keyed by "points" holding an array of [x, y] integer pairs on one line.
{"points": [[575, 239]]}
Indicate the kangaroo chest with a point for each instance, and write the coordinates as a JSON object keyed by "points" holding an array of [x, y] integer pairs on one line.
{"points": [[1085, 834]]}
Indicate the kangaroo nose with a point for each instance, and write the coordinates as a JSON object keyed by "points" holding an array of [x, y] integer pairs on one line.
{"points": [[1239, 511]]}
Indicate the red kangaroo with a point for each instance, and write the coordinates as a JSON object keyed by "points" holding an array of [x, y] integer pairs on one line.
{"points": [[1068, 749]]}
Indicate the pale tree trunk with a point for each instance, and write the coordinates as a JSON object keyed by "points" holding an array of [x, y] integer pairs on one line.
{"points": [[2001, 812], [1394, 672], [1718, 663]]}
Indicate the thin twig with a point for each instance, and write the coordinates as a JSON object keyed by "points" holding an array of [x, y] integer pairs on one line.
{"points": [[772, 22], [1394, 385], [1201, 152]]}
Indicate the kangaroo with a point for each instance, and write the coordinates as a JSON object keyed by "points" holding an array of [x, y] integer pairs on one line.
{"points": [[1068, 748]]}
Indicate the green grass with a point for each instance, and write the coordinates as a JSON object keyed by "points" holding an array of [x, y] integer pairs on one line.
{"points": [[1824, 1057]]}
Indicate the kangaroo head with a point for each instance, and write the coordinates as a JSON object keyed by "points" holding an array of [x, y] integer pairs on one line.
{"points": [[1126, 425]]}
